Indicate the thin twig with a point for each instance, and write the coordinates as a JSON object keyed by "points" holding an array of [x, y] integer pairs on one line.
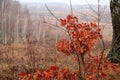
{"points": [[99, 64], [103, 27], [51, 13], [91, 7], [101, 16], [103, 44], [87, 14], [55, 26], [71, 7], [98, 13], [79, 63]]}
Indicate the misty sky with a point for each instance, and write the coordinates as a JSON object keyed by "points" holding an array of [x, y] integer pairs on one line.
{"points": [[67, 1]]}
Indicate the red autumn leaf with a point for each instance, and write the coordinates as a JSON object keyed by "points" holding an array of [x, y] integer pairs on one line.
{"points": [[54, 68], [22, 74], [70, 21], [103, 74], [63, 22], [69, 17]]}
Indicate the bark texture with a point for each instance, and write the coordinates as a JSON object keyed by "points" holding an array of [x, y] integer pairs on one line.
{"points": [[114, 54]]}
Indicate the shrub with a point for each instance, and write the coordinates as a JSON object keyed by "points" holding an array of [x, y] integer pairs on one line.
{"points": [[82, 38]]}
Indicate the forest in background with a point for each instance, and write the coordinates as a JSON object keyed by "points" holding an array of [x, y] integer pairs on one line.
{"points": [[20, 20]]}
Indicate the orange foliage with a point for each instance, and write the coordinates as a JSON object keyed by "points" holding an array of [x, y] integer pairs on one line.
{"points": [[83, 36]]}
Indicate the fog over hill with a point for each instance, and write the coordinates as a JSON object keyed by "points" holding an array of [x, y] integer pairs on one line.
{"points": [[35, 7], [63, 9]]}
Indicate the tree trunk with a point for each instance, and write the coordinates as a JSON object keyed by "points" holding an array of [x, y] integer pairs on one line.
{"points": [[114, 54]]}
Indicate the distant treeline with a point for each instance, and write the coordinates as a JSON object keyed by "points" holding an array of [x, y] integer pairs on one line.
{"points": [[17, 25]]}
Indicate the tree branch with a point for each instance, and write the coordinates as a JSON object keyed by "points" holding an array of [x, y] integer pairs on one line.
{"points": [[51, 13]]}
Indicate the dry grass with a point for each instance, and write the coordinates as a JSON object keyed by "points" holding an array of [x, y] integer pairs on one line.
{"points": [[17, 58]]}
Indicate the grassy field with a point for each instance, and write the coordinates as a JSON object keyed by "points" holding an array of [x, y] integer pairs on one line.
{"points": [[16, 58]]}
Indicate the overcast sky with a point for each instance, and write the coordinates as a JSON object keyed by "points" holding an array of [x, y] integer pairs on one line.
{"points": [[67, 1]]}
